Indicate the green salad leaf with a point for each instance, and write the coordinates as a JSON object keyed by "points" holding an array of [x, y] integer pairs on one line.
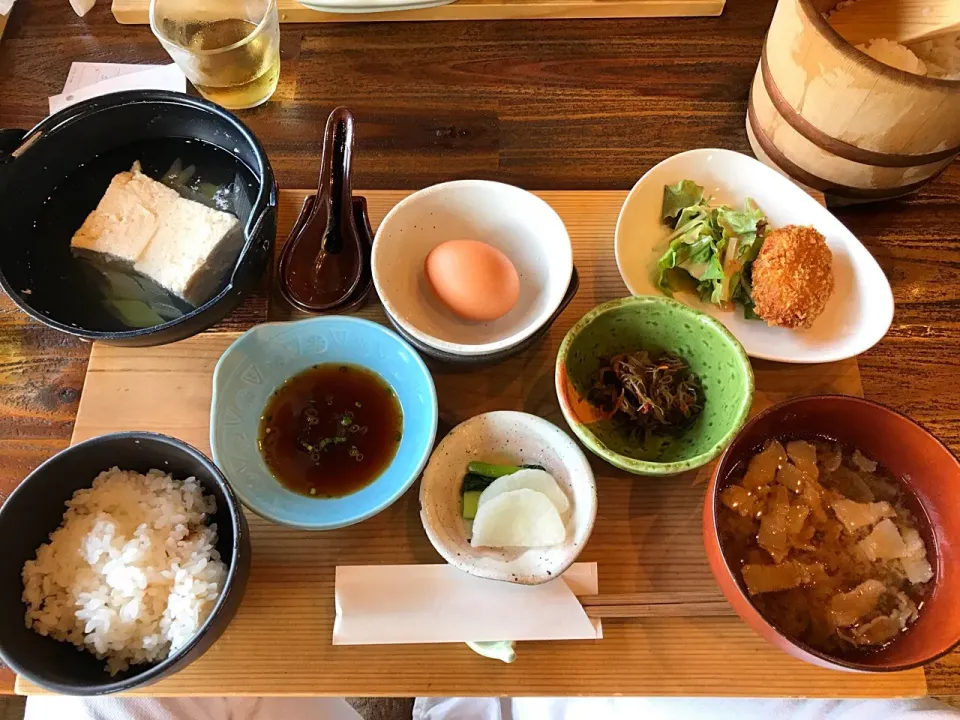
{"points": [[684, 194], [711, 249]]}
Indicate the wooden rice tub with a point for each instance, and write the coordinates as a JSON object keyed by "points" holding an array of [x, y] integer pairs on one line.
{"points": [[835, 119]]}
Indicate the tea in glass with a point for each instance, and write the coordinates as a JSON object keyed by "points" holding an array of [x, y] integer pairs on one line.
{"points": [[228, 49]]}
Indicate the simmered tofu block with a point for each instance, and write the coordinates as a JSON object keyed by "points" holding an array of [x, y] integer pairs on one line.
{"points": [[184, 246], [127, 217]]}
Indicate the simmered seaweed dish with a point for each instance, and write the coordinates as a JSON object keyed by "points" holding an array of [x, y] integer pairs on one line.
{"points": [[331, 430], [647, 393], [828, 544]]}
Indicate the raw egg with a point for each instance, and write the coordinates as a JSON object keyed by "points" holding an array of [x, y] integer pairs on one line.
{"points": [[475, 280]]}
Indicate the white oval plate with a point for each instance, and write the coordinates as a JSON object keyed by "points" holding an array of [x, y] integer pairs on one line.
{"points": [[371, 6], [858, 313]]}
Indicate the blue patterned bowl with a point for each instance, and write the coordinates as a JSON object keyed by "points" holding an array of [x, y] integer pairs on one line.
{"points": [[265, 357]]}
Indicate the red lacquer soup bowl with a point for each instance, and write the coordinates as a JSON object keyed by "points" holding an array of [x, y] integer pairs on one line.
{"points": [[911, 453]]}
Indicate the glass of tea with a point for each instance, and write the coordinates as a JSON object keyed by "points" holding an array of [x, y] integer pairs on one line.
{"points": [[228, 49]]}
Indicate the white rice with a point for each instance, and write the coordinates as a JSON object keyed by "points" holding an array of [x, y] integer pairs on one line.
{"points": [[894, 54], [938, 58], [133, 571], [942, 56]]}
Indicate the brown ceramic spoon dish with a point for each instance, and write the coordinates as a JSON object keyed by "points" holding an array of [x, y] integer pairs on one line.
{"points": [[356, 298], [325, 263]]}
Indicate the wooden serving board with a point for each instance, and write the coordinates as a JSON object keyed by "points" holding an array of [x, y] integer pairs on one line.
{"points": [[647, 538], [136, 12]]}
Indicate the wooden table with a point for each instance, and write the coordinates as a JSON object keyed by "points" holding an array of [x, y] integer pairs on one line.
{"points": [[544, 105]]}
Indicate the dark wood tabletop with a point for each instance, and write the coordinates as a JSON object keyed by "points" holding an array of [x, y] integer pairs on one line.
{"points": [[558, 104]]}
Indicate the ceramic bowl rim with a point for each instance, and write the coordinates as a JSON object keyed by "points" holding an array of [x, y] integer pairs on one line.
{"points": [[648, 467], [252, 505], [156, 671], [466, 361], [482, 349], [527, 420], [712, 506]]}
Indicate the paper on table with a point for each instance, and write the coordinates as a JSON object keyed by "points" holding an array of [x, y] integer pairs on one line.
{"points": [[152, 77], [6, 6], [401, 604], [83, 74]]}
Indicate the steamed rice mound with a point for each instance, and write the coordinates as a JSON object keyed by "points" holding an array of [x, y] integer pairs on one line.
{"points": [[894, 54], [133, 571]]}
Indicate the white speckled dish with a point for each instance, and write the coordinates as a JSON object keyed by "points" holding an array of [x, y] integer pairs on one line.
{"points": [[518, 223], [516, 438]]}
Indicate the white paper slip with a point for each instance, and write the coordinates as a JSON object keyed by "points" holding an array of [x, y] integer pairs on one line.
{"points": [[83, 74], [410, 604], [149, 77], [6, 6]]}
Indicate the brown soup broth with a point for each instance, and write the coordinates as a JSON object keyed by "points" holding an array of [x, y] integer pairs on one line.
{"points": [[799, 613], [330, 430]]}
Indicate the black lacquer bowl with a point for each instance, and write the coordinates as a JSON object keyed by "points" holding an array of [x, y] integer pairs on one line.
{"points": [[54, 175], [35, 509]]}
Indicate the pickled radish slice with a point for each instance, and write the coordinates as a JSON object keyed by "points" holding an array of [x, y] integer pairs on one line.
{"points": [[538, 480], [518, 518]]}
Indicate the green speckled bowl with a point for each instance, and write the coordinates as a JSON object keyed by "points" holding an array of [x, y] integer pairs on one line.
{"points": [[656, 324]]}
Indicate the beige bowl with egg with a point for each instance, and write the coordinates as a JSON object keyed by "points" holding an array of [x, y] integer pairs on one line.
{"points": [[517, 223], [513, 438]]}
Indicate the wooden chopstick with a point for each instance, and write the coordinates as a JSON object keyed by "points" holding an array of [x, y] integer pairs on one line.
{"points": [[708, 609], [656, 605]]}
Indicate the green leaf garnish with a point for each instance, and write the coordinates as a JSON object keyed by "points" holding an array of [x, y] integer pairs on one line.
{"points": [[711, 249], [684, 194]]}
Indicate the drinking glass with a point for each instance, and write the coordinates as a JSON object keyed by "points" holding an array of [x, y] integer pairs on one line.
{"points": [[228, 49]]}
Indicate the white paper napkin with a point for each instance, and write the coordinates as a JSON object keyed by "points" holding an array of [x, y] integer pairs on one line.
{"points": [[403, 604], [6, 6], [83, 74], [88, 80]]}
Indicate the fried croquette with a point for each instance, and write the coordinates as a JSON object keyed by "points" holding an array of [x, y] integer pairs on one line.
{"points": [[792, 277]]}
